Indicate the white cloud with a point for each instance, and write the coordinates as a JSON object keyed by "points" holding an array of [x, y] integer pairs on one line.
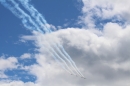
{"points": [[17, 83], [105, 9], [8, 63], [25, 56], [102, 57]]}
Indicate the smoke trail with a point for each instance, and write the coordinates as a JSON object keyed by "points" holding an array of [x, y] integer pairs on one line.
{"points": [[35, 14], [26, 16], [18, 12], [60, 58], [60, 64], [23, 16], [15, 12], [27, 19], [70, 62], [69, 58], [42, 32], [31, 9]]}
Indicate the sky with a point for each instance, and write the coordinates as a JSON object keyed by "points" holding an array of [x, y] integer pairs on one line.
{"points": [[94, 33]]}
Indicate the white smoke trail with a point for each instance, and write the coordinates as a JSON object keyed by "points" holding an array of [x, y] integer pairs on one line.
{"points": [[70, 59], [59, 62], [60, 59], [24, 17], [35, 14], [42, 32], [17, 11], [70, 62]]}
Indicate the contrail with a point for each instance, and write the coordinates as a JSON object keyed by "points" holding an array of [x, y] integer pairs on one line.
{"points": [[59, 62], [60, 59], [70, 62], [35, 14], [18, 12], [24, 15], [70, 59], [30, 24], [37, 28], [48, 50]]}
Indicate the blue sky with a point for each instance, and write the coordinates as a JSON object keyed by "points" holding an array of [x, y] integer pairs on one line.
{"points": [[94, 33], [11, 30]]}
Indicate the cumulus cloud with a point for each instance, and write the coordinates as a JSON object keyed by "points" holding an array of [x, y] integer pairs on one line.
{"points": [[8, 63], [102, 56], [100, 10]]}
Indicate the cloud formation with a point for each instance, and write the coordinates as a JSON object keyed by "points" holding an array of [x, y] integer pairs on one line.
{"points": [[6, 64], [102, 56]]}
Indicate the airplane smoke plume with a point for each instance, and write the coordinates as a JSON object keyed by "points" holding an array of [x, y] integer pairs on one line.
{"points": [[35, 21]]}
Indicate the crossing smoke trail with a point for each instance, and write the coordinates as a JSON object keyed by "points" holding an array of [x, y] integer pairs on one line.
{"points": [[30, 24], [39, 18]]}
